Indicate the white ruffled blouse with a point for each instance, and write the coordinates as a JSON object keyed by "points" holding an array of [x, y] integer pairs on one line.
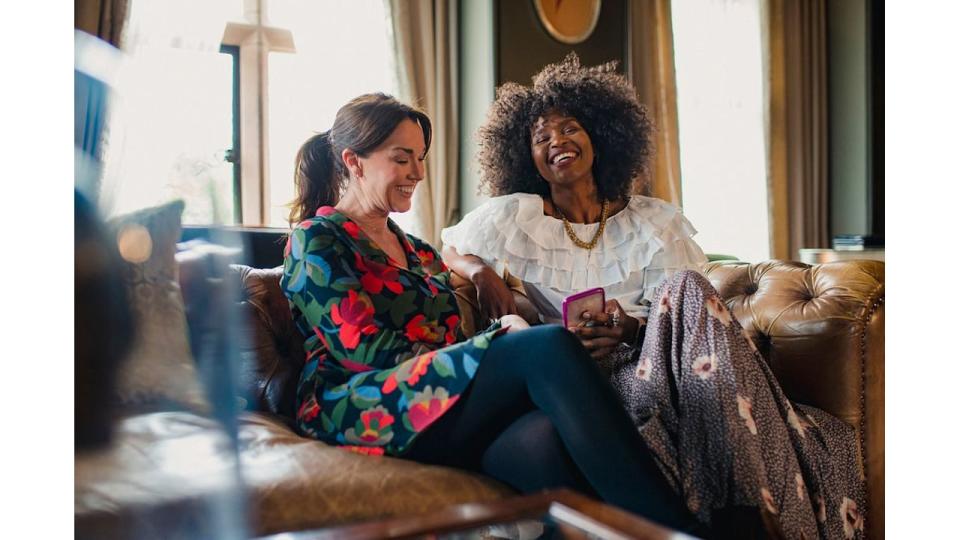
{"points": [[642, 245]]}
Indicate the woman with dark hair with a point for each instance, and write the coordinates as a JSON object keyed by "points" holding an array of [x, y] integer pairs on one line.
{"points": [[560, 159], [387, 369]]}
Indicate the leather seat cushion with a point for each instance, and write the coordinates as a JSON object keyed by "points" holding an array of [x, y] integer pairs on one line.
{"points": [[172, 471]]}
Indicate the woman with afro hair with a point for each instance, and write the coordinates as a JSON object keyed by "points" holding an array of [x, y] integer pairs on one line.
{"points": [[561, 160]]}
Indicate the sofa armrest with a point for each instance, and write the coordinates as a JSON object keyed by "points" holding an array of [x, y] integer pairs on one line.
{"points": [[821, 330]]}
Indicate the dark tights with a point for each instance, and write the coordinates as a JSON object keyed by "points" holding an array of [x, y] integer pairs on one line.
{"points": [[540, 414]]}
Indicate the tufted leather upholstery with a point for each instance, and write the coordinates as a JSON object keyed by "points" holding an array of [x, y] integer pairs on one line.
{"points": [[271, 355], [821, 329]]}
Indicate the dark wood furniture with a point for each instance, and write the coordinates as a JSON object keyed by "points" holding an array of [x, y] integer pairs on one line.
{"points": [[573, 515]]}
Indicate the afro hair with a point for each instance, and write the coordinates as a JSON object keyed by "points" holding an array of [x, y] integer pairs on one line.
{"points": [[601, 100]]}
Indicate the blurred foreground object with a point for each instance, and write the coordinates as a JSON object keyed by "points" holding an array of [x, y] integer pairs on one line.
{"points": [[103, 327]]}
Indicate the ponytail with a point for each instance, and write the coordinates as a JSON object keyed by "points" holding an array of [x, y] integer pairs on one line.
{"points": [[317, 178]]}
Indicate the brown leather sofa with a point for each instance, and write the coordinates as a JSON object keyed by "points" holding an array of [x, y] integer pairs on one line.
{"points": [[821, 329]]}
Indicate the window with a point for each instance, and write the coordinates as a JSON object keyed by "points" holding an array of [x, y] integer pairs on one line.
{"points": [[334, 63], [171, 117], [176, 121], [720, 101]]}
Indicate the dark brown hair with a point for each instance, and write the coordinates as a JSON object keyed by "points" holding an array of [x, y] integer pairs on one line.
{"points": [[601, 100], [361, 125]]}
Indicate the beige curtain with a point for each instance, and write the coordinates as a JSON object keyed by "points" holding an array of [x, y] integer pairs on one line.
{"points": [[101, 18], [796, 36], [425, 38], [651, 69]]}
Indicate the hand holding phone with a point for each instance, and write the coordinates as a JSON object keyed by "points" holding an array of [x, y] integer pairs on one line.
{"points": [[592, 300]]}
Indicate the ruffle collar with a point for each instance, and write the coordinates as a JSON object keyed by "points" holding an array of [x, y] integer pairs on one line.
{"points": [[512, 231]]}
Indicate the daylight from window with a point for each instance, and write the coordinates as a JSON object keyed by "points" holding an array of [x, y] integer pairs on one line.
{"points": [[171, 117], [334, 63], [717, 47], [172, 125]]}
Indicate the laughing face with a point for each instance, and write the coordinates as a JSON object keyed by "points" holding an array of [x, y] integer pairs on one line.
{"points": [[561, 149], [391, 172]]}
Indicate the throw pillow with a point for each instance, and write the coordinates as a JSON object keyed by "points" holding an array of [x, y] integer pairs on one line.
{"points": [[160, 369]]}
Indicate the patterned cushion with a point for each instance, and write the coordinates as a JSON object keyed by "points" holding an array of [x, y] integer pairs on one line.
{"points": [[160, 370]]}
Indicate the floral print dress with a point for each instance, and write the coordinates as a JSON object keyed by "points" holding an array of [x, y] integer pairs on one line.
{"points": [[383, 358], [723, 432]]}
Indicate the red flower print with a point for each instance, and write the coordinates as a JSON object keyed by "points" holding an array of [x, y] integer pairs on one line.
{"points": [[452, 323], [429, 405], [355, 367], [409, 372], [365, 450], [308, 410], [372, 429], [419, 368], [375, 419], [352, 229], [376, 276], [390, 384], [326, 210], [419, 329], [426, 257], [354, 316]]}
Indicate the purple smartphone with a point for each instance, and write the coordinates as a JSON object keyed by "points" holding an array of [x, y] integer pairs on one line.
{"points": [[591, 300]]}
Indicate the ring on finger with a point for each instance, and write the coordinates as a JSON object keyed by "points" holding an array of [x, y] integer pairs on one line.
{"points": [[615, 318]]}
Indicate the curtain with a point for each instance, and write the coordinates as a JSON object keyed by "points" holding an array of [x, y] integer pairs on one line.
{"points": [[101, 18], [425, 38], [651, 68], [797, 126]]}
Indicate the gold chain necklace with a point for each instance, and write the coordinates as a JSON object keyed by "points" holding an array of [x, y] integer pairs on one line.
{"points": [[596, 236]]}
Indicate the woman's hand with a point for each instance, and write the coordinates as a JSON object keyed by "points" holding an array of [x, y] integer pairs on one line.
{"points": [[513, 323], [493, 295], [602, 338]]}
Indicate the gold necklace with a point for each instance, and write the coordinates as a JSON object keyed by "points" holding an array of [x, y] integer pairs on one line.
{"points": [[596, 236]]}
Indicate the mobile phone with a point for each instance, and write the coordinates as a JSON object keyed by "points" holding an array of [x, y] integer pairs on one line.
{"points": [[592, 300]]}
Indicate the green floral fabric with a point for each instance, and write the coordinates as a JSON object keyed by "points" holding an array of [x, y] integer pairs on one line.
{"points": [[383, 357]]}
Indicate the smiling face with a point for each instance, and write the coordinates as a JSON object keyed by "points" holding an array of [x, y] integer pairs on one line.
{"points": [[389, 174], [561, 150]]}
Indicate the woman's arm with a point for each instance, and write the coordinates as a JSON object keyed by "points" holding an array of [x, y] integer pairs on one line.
{"points": [[493, 294]]}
